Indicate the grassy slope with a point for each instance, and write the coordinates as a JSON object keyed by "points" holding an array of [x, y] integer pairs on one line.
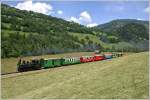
{"points": [[82, 36], [91, 37], [95, 39], [8, 32], [10, 64], [125, 77]]}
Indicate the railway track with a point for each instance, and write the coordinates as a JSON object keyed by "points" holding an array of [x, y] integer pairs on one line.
{"points": [[14, 74], [9, 73]]}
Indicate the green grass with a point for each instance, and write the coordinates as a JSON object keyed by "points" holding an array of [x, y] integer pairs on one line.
{"points": [[124, 78], [83, 36], [6, 25], [6, 33]]}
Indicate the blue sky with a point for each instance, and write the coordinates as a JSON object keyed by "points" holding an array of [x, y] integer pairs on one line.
{"points": [[89, 13]]}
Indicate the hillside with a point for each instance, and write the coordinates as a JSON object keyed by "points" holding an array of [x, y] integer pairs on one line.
{"points": [[113, 25], [127, 29], [26, 33], [120, 78], [30, 33], [135, 32]]}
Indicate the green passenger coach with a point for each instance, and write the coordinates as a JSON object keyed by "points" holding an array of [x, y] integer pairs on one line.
{"points": [[57, 62], [50, 63], [47, 63]]}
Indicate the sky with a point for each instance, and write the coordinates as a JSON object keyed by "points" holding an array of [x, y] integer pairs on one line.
{"points": [[89, 13]]}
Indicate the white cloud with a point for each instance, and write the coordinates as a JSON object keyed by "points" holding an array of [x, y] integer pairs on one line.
{"points": [[92, 25], [147, 10], [85, 17], [36, 7], [60, 12], [74, 19], [139, 19]]}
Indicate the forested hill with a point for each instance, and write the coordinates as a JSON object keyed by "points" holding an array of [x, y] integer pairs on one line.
{"points": [[36, 22], [114, 24], [30, 33], [26, 33], [126, 29]]}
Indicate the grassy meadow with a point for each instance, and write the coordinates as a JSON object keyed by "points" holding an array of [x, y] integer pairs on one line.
{"points": [[120, 78]]}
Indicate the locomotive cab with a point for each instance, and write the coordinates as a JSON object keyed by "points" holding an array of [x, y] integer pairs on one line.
{"points": [[24, 65]]}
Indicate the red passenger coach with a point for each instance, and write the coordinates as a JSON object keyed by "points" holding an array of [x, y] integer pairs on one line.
{"points": [[87, 59], [99, 57]]}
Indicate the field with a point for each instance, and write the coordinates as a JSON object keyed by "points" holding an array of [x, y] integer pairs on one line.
{"points": [[124, 77]]}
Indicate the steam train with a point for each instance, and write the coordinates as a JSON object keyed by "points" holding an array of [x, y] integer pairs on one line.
{"points": [[37, 64]]}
